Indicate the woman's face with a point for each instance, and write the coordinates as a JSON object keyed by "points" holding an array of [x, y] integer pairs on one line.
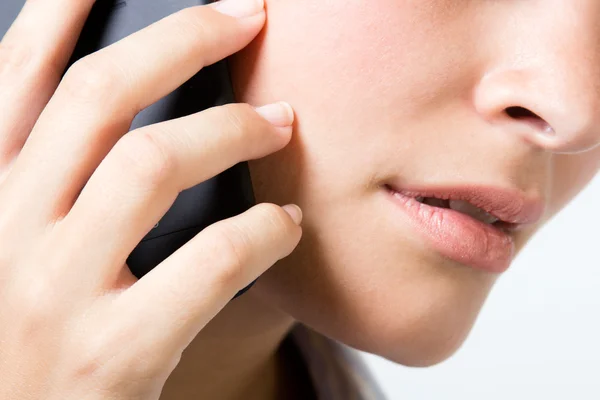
{"points": [[469, 99]]}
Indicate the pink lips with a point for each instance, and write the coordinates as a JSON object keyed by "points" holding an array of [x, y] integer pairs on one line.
{"points": [[462, 238]]}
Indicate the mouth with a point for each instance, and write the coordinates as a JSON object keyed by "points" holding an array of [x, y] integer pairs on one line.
{"points": [[474, 226]]}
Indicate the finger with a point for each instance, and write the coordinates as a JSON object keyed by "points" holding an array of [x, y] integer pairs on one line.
{"points": [[139, 180], [97, 100], [181, 295], [33, 55]]}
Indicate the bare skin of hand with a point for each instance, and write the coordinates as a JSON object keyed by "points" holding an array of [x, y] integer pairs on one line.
{"points": [[78, 192]]}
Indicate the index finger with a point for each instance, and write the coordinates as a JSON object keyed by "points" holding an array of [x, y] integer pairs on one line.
{"points": [[33, 55], [101, 94]]}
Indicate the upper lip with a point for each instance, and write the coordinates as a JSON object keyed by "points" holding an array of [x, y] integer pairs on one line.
{"points": [[509, 205]]}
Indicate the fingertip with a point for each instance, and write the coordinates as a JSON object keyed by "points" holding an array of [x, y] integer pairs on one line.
{"points": [[239, 8], [295, 212], [279, 114]]}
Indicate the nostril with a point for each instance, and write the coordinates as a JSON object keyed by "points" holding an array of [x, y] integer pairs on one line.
{"points": [[525, 115]]}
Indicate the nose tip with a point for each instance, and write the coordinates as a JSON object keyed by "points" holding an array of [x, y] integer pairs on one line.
{"points": [[550, 120]]}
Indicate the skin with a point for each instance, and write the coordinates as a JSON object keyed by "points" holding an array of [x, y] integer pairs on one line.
{"points": [[75, 322], [385, 89], [413, 90]]}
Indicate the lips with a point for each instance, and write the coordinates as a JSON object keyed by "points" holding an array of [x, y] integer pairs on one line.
{"points": [[510, 206], [471, 225]]}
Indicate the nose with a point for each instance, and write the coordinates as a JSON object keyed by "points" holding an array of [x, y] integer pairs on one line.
{"points": [[544, 83]]}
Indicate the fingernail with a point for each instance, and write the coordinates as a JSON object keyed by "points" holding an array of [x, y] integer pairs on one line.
{"points": [[239, 8], [294, 211], [279, 114]]}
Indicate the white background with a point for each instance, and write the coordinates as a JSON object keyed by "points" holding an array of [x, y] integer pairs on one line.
{"points": [[538, 335]]}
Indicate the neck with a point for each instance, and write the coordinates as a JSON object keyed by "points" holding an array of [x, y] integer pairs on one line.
{"points": [[234, 356]]}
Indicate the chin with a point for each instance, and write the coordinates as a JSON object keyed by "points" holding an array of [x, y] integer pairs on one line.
{"points": [[421, 344], [421, 334], [419, 321]]}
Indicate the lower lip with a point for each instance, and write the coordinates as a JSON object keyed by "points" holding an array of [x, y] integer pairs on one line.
{"points": [[459, 237]]}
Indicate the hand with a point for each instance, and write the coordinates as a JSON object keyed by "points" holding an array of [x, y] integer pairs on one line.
{"points": [[81, 192]]}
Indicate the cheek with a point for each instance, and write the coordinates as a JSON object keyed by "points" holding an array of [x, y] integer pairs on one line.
{"points": [[354, 72], [324, 53], [352, 68]]}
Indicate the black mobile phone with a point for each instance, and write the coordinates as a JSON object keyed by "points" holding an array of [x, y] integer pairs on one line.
{"points": [[227, 194]]}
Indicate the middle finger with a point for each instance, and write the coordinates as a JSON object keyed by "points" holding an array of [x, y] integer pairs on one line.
{"points": [[140, 178], [100, 95]]}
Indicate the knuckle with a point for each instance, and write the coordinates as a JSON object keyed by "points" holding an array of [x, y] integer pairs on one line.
{"points": [[14, 59], [274, 217], [37, 301], [21, 61], [192, 21], [231, 248], [148, 159], [238, 117], [93, 353], [90, 79]]}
